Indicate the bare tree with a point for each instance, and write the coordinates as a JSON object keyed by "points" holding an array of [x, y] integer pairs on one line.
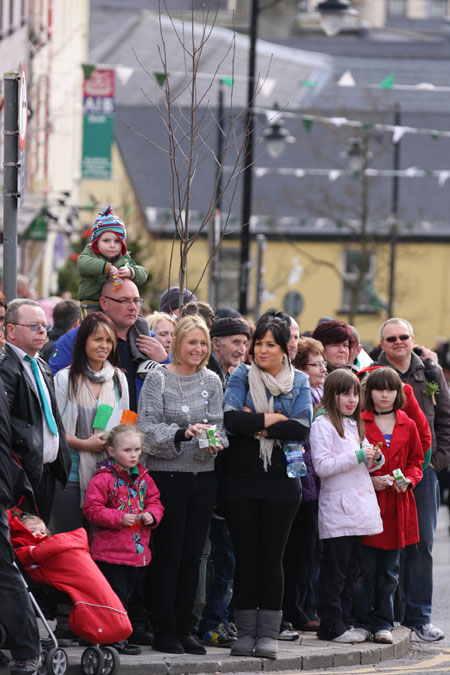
{"points": [[193, 126]]}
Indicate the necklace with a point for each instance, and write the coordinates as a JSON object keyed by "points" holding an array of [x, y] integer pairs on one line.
{"points": [[184, 399], [384, 412]]}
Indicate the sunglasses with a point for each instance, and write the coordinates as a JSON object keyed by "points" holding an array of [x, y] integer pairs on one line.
{"points": [[394, 338]]}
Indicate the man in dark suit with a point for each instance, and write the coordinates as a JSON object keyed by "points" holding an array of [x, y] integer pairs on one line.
{"points": [[38, 438], [16, 613]]}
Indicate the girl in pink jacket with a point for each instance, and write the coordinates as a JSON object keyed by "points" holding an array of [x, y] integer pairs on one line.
{"points": [[122, 504], [348, 507]]}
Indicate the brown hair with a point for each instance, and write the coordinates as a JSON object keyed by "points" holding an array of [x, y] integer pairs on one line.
{"points": [[341, 381], [203, 309], [306, 347], [382, 378]]}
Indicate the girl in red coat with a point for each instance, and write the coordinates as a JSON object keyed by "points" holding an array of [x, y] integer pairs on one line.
{"points": [[386, 423], [122, 504]]}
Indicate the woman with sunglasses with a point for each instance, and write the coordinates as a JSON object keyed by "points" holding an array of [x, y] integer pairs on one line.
{"points": [[92, 379]]}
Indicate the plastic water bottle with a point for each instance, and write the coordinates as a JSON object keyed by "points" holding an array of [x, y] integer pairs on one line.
{"points": [[295, 466]]}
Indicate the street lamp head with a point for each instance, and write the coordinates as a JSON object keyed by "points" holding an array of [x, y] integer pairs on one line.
{"points": [[276, 136], [356, 154], [332, 15]]}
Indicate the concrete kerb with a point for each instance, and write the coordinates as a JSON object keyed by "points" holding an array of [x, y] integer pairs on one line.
{"points": [[309, 654]]}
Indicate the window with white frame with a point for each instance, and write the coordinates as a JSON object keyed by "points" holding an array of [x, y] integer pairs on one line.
{"points": [[351, 264], [437, 9], [229, 267], [396, 7]]}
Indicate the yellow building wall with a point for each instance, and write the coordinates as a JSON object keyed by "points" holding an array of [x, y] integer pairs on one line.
{"points": [[422, 289], [118, 192]]}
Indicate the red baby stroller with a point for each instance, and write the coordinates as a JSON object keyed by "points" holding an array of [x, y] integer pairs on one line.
{"points": [[63, 562]]}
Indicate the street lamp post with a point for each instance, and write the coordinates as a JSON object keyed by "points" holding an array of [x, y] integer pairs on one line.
{"points": [[215, 227], [394, 215], [332, 13], [248, 161]]}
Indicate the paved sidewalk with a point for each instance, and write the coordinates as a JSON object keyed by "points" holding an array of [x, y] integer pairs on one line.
{"points": [[310, 654]]}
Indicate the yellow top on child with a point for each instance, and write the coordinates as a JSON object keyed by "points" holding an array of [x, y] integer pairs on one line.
{"points": [[105, 257]]}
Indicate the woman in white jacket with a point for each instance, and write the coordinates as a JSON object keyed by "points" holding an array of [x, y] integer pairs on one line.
{"points": [[348, 507]]}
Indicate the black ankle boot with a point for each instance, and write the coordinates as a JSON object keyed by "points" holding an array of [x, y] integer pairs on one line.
{"points": [[167, 642], [191, 644]]}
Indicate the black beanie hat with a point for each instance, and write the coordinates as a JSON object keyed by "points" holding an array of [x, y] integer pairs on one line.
{"points": [[229, 326]]}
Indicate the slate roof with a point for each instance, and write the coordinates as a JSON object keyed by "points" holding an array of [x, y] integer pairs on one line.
{"points": [[285, 205], [137, 38]]}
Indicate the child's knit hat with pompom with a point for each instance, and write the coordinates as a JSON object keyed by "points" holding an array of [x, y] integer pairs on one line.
{"points": [[107, 221]]}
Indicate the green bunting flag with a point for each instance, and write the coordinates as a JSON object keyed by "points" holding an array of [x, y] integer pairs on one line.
{"points": [[307, 123], [388, 82], [160, 78], [227, 80], [87, 70], [307, 83]]}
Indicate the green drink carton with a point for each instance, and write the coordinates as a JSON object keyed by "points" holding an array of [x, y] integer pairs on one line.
{"points": [[400, 478], [213, 436]]}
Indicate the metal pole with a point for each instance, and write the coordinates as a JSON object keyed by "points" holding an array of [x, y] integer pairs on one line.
{"points": [[10, 192], [248, 166], [261, 244], [215, 226], [394, 215]]}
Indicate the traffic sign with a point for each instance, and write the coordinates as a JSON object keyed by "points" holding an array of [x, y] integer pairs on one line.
{"points": [[23, 107]]}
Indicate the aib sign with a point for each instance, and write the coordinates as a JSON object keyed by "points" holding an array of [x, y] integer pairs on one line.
{"points": [[98, 93], [98, 122]]}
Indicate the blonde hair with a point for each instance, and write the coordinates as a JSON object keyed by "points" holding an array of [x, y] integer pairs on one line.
{"points": [[341, 381], [154, 319], [183, 327], [112, 435]]}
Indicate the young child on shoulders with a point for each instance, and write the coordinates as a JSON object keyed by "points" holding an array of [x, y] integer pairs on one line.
{"points": [[122, 504], [106, 256], [348, 507], [386, 423]]}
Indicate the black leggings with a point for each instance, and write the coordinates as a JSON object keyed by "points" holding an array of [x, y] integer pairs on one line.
{"points": [[259, 530]]}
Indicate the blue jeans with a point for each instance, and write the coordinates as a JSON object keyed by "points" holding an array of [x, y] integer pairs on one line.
{"points": [[418, 559], [218, 599], [375, 589]]}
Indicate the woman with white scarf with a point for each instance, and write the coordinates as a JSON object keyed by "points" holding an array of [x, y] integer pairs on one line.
{"points": [[92, 378], [265, 405]]}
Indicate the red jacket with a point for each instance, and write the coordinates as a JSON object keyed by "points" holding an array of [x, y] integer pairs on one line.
{"points": [[398, 509], [64, 562]]}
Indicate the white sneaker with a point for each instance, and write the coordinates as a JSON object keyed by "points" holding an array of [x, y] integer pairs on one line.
{"points": [[367, 635], [428, 632], [384, 636], [350, 636]]}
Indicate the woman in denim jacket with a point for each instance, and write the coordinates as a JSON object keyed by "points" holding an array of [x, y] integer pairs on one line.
{"points": [[265, 404]]}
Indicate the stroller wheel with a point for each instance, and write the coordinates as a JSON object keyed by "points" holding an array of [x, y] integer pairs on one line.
{"points": [[112, 660], [92, 661], [57, 661], [42, 667]]}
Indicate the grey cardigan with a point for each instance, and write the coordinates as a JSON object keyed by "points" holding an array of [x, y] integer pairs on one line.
{"points": [[160, 417]]}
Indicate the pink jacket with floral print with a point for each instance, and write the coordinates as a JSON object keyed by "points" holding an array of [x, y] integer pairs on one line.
{"points": [[111, 493]]}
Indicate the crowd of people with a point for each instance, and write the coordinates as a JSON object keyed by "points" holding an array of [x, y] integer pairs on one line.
{"points": [[288, 480]]}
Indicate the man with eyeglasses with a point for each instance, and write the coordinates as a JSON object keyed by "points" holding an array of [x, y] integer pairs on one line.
{"points": [[138, 351], [431, 392], [38, 437]]}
